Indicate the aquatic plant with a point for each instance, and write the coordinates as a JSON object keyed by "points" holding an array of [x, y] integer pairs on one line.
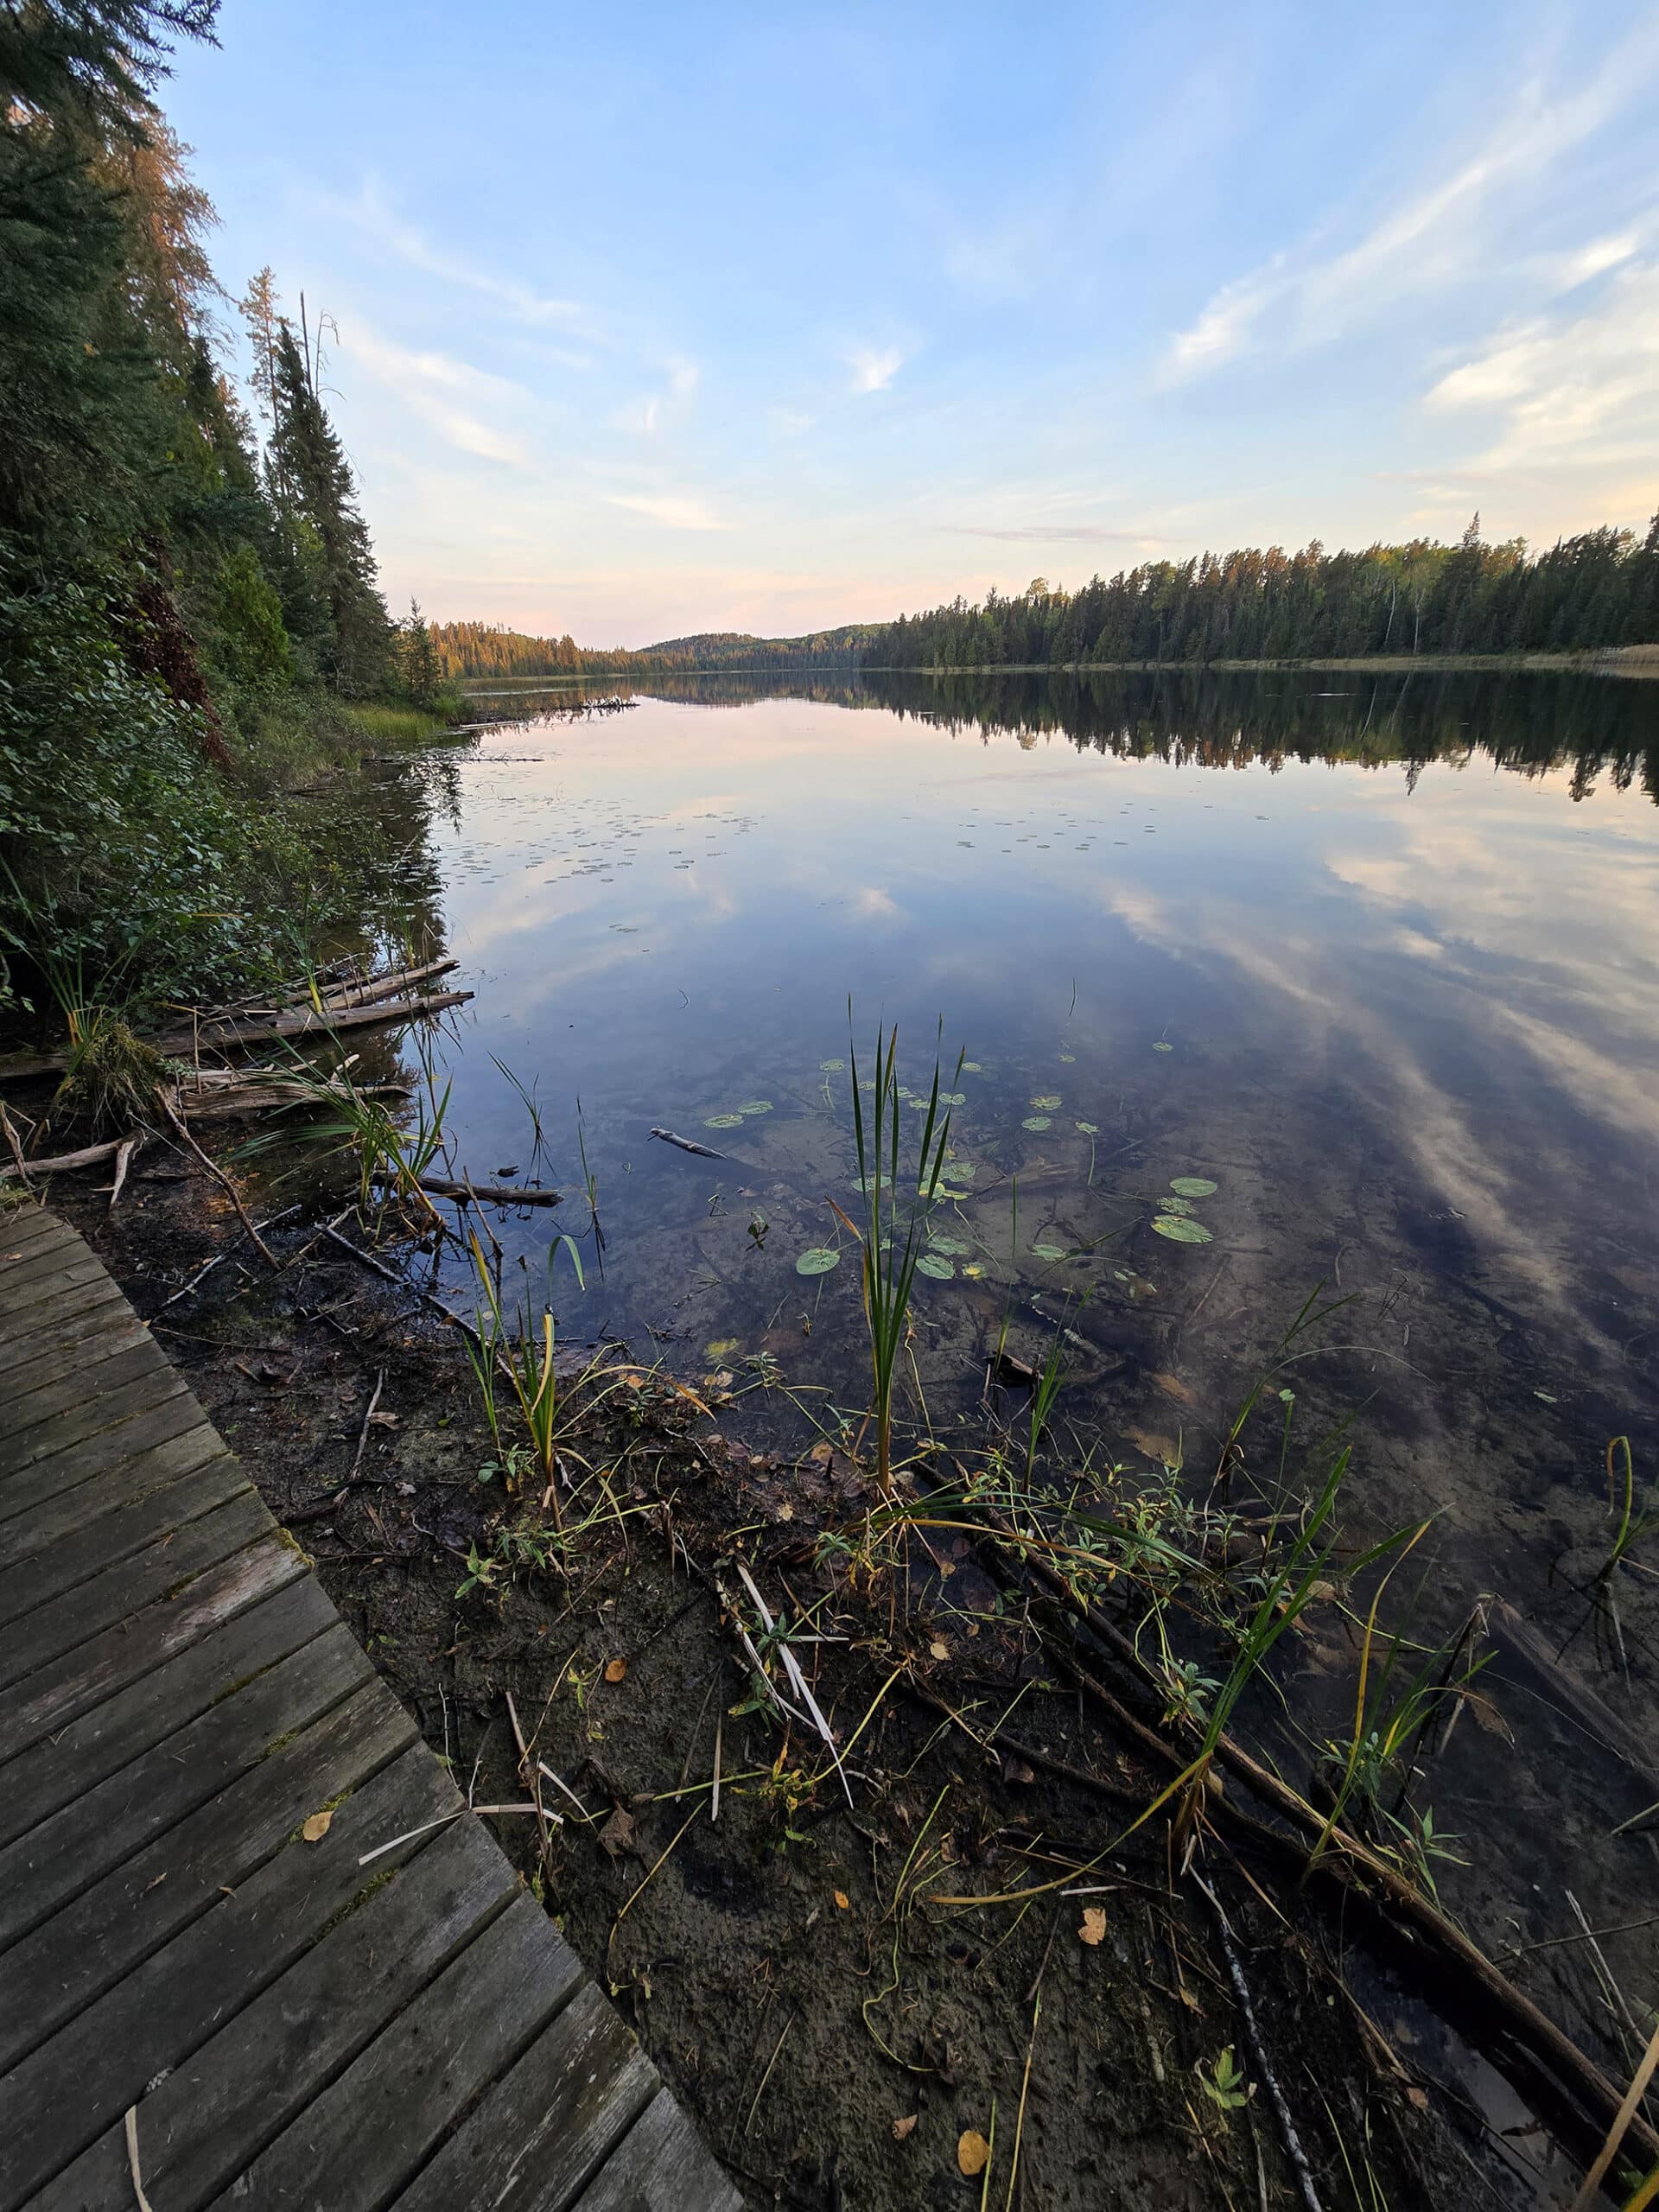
{"points": [[891, 1258]]}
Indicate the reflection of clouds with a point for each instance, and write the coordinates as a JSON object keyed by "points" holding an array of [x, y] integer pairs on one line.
{"points": [[1507, 930], [876, 904]]}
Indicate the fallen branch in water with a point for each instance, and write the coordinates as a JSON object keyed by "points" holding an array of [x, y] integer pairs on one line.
{"points": [[1551, 2060], [497, 1194]]}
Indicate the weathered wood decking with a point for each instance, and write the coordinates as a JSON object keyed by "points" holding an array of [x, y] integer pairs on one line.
{"points": [[288, 2025]]}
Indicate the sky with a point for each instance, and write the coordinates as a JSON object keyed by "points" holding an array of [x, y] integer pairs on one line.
{"points": [[652, 320]]}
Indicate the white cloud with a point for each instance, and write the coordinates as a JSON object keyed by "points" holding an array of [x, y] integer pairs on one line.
{"points": [[1430, 240], [449, 395], [1579, 388], [674, 510], [371, 214], [645, 417], [874, 371], [788, 422]]}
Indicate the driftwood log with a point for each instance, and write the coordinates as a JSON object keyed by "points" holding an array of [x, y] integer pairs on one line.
{"points": [[496, 1194], [183, 1044]]}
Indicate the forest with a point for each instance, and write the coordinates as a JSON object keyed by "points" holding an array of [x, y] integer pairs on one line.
{"points": [[1582, 595], [190, 616]]}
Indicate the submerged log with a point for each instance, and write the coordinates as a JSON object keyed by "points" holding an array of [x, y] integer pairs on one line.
{"points": [[496, 1194]]}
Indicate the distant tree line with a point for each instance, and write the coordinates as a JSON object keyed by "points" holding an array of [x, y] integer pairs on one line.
{"points": [[477, 651], [183, 582], [1593, 591]]}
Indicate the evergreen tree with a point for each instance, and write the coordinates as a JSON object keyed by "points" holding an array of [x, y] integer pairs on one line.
{"points": [[420, 660], [316, 496]]}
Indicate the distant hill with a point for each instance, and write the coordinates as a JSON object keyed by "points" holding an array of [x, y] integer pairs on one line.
{"points": [[480, 649]]}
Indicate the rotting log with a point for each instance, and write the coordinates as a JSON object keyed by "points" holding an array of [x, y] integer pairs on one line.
{"points": [[183, 1044], [495, 1194]]}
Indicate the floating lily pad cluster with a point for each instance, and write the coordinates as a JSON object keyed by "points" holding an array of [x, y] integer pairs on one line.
{"points": [[737, 1115], [1173, 1217]]}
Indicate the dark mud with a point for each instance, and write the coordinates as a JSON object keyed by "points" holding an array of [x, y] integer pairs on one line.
{"points": [[797, 1968]]}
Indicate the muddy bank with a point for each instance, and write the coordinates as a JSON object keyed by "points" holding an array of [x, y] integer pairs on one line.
{"points": [[825, 1981]]}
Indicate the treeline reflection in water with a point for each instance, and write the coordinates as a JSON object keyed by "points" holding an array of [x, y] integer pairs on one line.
{"points": [[1532, 724]]}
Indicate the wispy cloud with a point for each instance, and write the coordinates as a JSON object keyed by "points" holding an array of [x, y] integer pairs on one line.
{"points": [[789, 421], [1580, 388], [1047, 533], [371, 212], [1429, 240], [647, 416], [874, 370], [452, 398], [673, 509]]}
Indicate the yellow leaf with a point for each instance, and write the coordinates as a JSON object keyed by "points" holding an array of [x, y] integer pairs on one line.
{"points": [[616, 1670], [1094, 1925], [939, 1648], [905, 2127], [842, 1903], [973, 2151], [316, 1827]]}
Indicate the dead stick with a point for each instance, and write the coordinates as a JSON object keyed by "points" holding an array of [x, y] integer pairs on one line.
{"points": [[363, 1433], [1293, 2141], [220, 1177]]}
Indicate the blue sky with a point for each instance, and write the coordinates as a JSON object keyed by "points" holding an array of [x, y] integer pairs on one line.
{"points": [[658, 319]]}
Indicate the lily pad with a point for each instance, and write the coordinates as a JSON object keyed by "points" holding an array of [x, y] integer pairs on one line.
{"points": [[1194, 1186], [953, 1099], [972, 1067], [934, 1265], [832, 1067], [722, 1120], [1048, 1251], [817, 1260], [755, 1106], [1036, 1122], [718, 1348], [950, 1197], [972, 1270], [1046, 1103], [1179, 1230], [952, 1247], [1068, 1059], [1160, 1047], [1089, 1128], [1174, 1205]]}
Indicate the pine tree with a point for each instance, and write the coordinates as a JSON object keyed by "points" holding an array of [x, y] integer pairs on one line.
{"points": [[316, 495], [420, 659]]}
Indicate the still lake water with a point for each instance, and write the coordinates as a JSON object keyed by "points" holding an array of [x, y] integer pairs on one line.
{"points": [[1380, 961]]}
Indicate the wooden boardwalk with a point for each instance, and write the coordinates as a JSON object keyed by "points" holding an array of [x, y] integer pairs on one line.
{"points": [[273, 2021]]}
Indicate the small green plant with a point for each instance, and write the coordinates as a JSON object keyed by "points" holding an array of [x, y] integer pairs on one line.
{"points": [[890, 1259], [524, 1359], [1630, 1526], [1223, 2082]]}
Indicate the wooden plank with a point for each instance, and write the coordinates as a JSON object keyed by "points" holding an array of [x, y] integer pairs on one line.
{"points": [[373, 2127], [60, 1857], [662, 2164], [115, 1481], [77, 1462], [97, 1669], [70, 2088], [71, 1760], [200, 2125], [58, 1354], [35, 1282], [89, 1417], [68, 1965], [25, 1226], [23, 1336], [110, 1368], [51, 1561], [540, 2135]]}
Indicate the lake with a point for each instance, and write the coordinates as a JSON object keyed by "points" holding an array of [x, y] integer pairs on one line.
{"points": [[1376, 957]]}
